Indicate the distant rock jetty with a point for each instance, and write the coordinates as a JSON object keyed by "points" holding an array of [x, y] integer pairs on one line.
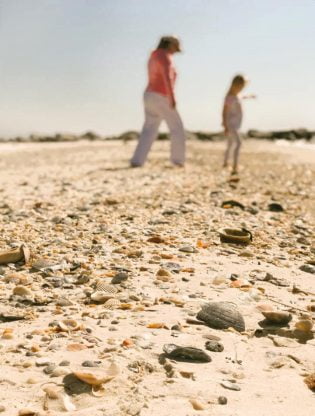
{"points": [[291, 135]]}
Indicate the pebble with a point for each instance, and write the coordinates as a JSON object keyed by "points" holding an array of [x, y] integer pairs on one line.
{"points": [[222, 400], [44, 361], [91, 363], [214, 346], [64, 363], [230, 386], [49, 369]]}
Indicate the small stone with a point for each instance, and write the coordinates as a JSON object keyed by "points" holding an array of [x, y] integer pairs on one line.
{"points": [[187, 249], [119, 278], [64, 363], [41, 362], [222, 400], [59, 371], [32, 380], [49, 369], [91, 363], [214, 346], [308, 268], [2, 409], [230, 386]]}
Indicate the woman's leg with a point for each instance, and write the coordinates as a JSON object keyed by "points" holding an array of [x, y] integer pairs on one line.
{"points": [[177, 133], [149, 131]]}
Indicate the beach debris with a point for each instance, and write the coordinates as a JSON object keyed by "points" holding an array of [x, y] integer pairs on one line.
{"points": [[230, 386], [231, 203], [15, 255], [187, 249], [67, 403], [214, 346], [310, 381], [98, 377], [235, 236], [305, 325], [277, 317], [119, 278], [308, 268], [222, 400], [69, 325], [197, 405], [222, 315], [275, 207], [186, 353], [27, 412]]}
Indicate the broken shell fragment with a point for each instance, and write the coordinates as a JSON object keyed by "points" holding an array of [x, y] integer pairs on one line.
{"points": [[68, 325], [101, 297], [15, 255], [98, 378], [235, 235]]}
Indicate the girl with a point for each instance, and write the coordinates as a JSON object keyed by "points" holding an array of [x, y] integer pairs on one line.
{"points": [[232, 119]]}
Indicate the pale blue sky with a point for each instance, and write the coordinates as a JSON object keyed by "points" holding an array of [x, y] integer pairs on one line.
{"points": [[77, 65]]}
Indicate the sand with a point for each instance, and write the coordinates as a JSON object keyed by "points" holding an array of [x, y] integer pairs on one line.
{"points": [[80, 208]]}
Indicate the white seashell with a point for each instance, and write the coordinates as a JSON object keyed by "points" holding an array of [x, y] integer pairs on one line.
{"points": [[112, 304], [69, 325], [101, 297], [67, 403]]}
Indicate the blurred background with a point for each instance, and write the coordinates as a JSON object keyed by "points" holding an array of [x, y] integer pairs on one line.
{"points": [[78, 65]]}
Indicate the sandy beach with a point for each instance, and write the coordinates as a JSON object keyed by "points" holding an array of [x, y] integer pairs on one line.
{"points": [[122, 260]]}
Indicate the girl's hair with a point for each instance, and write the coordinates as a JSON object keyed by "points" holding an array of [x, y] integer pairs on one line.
{"points": [[239, 80], [164, 43]]}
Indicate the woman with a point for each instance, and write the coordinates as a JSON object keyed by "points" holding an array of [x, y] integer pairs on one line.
{"points": [[160, 104]]}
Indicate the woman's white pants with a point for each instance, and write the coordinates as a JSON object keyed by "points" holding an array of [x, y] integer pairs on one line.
{"points": [[157, 108]]}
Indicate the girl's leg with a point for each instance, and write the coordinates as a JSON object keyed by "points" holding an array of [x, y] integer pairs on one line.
{"points": [[238, 144], [149, 131], [228, 149]]}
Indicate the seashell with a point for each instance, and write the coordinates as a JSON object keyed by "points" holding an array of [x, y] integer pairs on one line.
{"points": [[17, 278], [186, 353], [7, 333], [101, 297], [98, 378], [112, 304], [222, 315], [67, 403], [69, 325], [98, 391], [15, 255], [235, 235], [277, 317], [102, 286], [27, 412], [23, 292], [304, 325], [197, 405], [310, 381], [76, 347]]}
